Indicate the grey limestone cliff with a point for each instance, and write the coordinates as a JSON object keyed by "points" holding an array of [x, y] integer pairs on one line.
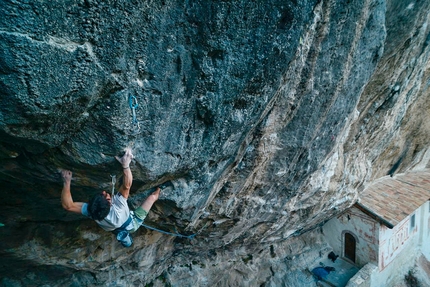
{"points": [[269, 117]]}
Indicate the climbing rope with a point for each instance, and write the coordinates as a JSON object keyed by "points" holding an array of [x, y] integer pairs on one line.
{"points": [[132, 102], [170, 233], [113, 181]]}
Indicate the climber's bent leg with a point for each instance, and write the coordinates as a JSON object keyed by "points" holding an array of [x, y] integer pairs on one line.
{"points": [[147, 204], [140, 213]]}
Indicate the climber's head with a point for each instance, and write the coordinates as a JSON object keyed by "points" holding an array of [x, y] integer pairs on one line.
{"points": [[99, 205]]}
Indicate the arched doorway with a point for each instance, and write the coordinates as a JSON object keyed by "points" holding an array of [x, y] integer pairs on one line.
{"points": [[349, 246]]}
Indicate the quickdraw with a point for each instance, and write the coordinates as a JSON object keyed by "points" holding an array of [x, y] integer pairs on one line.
{"points": [[132, 101], [113, 181]]}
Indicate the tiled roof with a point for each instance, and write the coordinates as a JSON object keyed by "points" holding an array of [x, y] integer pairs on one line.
{"points": [[392, 199]]}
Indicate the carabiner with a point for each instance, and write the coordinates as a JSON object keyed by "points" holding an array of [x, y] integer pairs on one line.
{"points": [[132, 99]]}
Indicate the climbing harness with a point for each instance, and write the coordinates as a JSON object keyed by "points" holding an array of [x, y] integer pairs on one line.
{"points": [[132, 101], [170, 233]]}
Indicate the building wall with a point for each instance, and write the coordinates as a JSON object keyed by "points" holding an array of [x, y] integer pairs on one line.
{"points": [[402, 237], [400, 246], [361, 226], [394, 251], [425, 231]]}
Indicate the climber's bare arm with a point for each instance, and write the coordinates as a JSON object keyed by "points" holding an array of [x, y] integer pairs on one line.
{"points": [[125, 161], [66, 196]]}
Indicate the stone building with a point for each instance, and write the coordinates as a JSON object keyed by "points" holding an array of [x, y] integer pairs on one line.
{"points": [[386, 230]]}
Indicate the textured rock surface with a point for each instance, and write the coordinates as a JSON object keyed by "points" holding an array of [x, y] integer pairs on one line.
{"points": [[269, 118]]}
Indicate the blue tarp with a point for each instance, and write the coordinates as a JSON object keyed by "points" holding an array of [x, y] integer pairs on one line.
{"points": [[320, 272]]}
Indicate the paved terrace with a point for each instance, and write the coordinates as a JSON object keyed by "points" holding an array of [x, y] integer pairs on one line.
{"points": [[340, 277]]}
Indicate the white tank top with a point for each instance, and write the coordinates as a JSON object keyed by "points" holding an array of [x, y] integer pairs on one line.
{"points": [[118, 214]]}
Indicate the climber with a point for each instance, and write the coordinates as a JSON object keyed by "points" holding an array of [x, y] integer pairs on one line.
{"points": [[112, 214]]}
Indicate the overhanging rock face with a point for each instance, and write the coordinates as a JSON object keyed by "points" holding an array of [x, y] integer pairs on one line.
{"points": [[268, 118]]}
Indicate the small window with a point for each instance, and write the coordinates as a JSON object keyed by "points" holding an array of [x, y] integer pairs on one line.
{"points": [[412, 221]]}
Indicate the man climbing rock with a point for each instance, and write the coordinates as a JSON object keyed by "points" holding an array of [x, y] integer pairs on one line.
{"points": [[112, 214]]}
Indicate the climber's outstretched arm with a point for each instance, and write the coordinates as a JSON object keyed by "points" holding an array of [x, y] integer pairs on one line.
{"points": [[66, 196], [125, 161]]}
